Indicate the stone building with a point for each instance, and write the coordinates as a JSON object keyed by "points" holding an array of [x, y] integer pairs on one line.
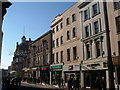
{"points": [[3, 11], [66, 45], [94, 43], [113, 9], [20, 55], [40, 57]]}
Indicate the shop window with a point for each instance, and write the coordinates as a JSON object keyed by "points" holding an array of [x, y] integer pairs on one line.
{"points": [[68, 54], [118, 24], [116, 5]]}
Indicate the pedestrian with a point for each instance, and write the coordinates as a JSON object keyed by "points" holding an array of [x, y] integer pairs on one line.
{"points": [[70, 83], [77, 82], [103, 83], [98, 84]]}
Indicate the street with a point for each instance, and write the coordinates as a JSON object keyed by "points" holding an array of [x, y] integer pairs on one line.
{"points": [[27, 87]]}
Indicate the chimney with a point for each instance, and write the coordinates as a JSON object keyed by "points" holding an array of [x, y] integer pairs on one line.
{"points": [[29, 39], [17, 44]]}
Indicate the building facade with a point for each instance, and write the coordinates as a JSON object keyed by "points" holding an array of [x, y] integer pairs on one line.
{"points": [[20, 55], [113, 9], [66, 46], [40, 57], [94, 44]]}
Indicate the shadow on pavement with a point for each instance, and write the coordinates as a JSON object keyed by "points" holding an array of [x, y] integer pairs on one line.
{"points": [[24, 88]]}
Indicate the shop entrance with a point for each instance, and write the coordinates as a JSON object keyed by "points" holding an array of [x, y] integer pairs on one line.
{"points": [[56, 77], [90, 78]]}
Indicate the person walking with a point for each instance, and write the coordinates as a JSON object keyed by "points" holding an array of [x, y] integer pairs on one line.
{"points": [[70, 83], [98, 83]]}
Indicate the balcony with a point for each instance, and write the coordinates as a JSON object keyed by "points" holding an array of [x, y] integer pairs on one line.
{"points": [[116, 60]]}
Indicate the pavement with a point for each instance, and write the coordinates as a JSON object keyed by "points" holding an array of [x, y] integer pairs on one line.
{"points": [[47, 86]]}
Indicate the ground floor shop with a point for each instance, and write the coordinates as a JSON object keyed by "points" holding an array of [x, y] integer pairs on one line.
{"points": [[56, 74], [94, 75], [71, 70], [45, 74]]}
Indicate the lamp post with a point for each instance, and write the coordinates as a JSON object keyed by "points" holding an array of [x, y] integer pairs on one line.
{"points": [[109, 57]]}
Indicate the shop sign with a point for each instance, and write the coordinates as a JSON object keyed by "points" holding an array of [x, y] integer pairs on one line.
{"points": [[56, 67], [44, 68], [70, 67]]}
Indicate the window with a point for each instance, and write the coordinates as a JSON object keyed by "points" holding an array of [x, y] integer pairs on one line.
{"points": [[57, 28], [57, 57], [73, 17], [61, 56], [67, 21], [61, 25], [96, 27], [53, 58], [74, 53], [61, 40], [57, 42], [53, 43], [95, 9], [88, 51], [74, 32], [98, 48], [68, 54], [53, 30], [45, 59], [87, 31], [118, 24], [119, 47], [86, 14], [68, 35], [117, 5]]}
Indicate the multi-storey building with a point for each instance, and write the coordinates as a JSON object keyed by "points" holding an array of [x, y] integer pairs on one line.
{"points": [[94, 44], [113, 9], [3, 11], [66, 45], [40, 57], [20, 55]]}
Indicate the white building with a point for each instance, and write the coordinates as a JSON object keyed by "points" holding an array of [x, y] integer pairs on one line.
{"points": [[94, 47]]}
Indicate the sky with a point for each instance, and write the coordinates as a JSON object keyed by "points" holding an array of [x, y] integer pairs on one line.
{"points": [[31, 19]]}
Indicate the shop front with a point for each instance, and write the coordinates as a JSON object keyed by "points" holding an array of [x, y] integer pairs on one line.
{"points": [[92, 73], [56, 74], [71, 70], [44, 74], [116, 63]]}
